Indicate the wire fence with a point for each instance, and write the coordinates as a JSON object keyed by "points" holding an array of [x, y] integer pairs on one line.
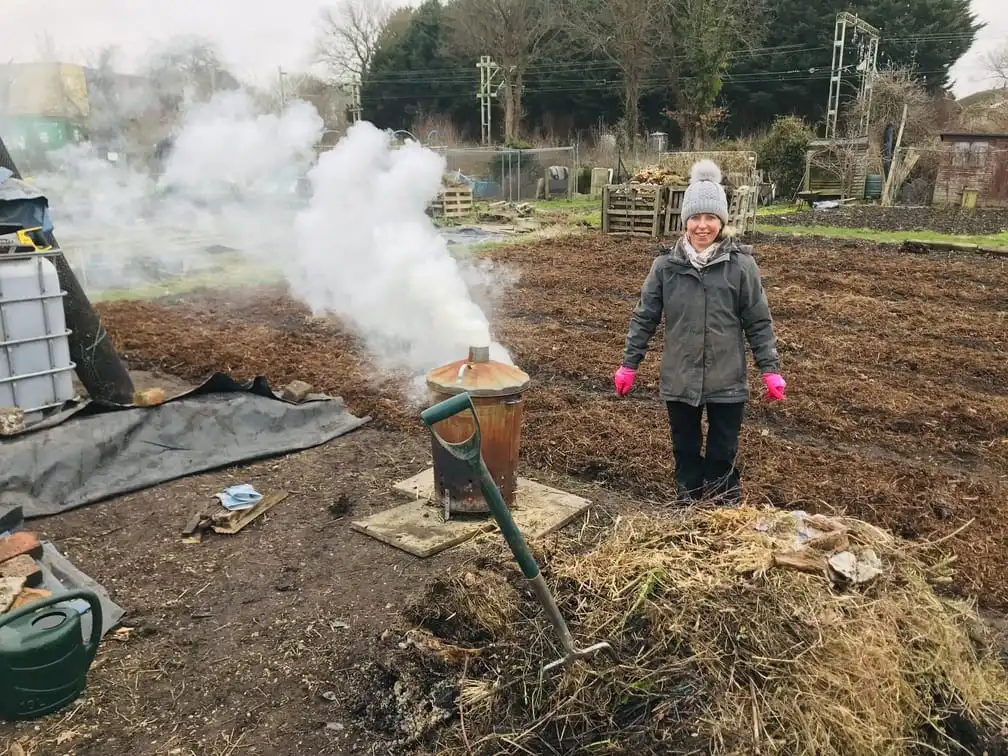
{"points": [[515, 175]]}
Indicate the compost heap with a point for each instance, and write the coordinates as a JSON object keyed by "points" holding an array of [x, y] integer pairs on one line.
{"points": [[659, 175], [737, 631]]}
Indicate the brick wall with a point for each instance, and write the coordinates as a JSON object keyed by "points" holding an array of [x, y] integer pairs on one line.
{"points": [[980, 164]]}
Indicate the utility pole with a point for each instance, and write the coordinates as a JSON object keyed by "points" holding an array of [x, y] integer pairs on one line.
{"points": [[489, 87], [281, 74], [867, 67], [355, 103]]}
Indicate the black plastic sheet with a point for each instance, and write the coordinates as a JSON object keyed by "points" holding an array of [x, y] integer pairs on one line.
{"points": [[96, 450]]}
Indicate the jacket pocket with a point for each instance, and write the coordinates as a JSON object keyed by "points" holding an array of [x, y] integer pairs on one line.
{"points": [[726, 368]]}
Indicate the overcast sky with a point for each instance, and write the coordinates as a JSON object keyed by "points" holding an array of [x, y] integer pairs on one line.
{"points": [[256, 38]]}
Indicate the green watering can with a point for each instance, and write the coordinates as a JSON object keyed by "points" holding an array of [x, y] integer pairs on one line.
{"points": [[43, 657], [470, 453]]}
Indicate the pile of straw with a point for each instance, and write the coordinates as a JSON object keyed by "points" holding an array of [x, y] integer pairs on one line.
{"points": [[733, 635]]}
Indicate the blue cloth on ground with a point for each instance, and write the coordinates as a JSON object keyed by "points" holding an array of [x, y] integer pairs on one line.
{"points": [[242, 496]]}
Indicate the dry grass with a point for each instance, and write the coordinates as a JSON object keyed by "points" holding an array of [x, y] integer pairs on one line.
{"points": [[719, 651]]}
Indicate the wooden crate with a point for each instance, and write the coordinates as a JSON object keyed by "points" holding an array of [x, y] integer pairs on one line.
{"points": [[454, 202], [634, 209]]}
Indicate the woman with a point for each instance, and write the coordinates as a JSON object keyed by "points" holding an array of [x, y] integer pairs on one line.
{"points": [[709, 288]]}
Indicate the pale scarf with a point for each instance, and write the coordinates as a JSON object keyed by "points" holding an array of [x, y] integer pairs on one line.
{"points": [[699, 259]]}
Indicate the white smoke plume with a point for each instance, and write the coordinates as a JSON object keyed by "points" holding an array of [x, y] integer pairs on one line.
{"points": [[372, 256], [362, 248]]}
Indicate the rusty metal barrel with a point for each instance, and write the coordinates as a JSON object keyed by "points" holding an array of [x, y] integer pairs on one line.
{"points": [[497, 392]]}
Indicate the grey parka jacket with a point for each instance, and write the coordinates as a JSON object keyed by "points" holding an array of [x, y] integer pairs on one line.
{"points": [[709, 315]]}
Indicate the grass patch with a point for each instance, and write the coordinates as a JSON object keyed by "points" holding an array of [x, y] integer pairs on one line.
{"points": [[241, 274], [780, 209], [834, 232]]}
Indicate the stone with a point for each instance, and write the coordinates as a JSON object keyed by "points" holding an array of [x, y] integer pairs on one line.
{"points": [[150, 397], [30, 596], [10, 589], [24, 567], [12, 420]]}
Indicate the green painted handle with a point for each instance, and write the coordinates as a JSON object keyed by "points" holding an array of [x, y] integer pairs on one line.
{"points": [[96, 614], [506, 523], [447, 408]]}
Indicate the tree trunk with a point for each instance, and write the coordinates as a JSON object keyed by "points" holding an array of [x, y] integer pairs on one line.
{"points": [[631, 109], [512, 106], [687, 134], [509, 111]]}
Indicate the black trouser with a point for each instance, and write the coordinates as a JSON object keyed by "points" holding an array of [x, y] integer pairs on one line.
{"points": [[715, 473]]}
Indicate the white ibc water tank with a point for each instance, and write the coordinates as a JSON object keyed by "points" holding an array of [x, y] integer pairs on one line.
{"points": [[36, 372]]}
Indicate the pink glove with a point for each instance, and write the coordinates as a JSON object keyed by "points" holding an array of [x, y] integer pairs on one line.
{"points": [[775, 385], [624, 379]]}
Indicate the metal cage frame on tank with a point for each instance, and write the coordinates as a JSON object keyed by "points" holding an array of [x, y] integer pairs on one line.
{"points": [[60, 368], [497, 392]]}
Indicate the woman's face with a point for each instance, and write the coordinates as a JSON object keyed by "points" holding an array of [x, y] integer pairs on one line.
{"points": [[703, 229]]}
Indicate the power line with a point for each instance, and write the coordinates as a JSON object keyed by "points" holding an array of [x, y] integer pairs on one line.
{"points": [[616, 86], [460, 74]]}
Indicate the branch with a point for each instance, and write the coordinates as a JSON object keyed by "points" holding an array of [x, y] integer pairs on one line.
{"points": [[513, 32], [349, 33], [997, 65]]}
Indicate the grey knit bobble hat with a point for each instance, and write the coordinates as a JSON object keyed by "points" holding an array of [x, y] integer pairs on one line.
{"points": [[705, 193]]}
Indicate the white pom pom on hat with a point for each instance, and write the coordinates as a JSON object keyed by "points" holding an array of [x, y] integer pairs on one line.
{"points": [[705, 170], [705, 195]]}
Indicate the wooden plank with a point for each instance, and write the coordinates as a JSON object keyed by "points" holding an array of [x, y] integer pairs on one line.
{"points": [[419, 528], [193, 524], [229, 522], [606, 216]]}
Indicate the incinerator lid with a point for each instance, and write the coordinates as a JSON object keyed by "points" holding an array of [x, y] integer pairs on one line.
{"points": [[479, 375]]}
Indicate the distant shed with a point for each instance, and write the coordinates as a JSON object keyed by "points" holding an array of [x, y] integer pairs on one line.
{"points": [[972, 170], [836, 168]]}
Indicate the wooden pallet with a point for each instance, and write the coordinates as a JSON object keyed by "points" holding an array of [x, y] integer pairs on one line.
{"points": [[633, 209], [674, 223], [742, 213], [454, 202]]}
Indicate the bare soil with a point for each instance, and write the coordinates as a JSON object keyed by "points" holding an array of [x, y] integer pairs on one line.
{"points": [[266, 642], [976, 222]]}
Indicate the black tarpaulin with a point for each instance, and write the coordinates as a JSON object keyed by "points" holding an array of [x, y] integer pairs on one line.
{"points": [[94, 451]]}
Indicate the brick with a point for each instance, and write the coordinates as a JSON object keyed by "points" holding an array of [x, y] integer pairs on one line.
{"points": [[20, 543], [295, 391], [24, 567]]}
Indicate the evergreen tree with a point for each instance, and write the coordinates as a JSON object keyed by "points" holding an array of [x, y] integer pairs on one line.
{"points": [[790, 75], [414, 73]]}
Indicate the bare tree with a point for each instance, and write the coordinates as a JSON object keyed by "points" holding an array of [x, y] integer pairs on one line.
{"points": [[188, 69], [349, 35], [48, 52], [623, 31], [997, 66], [892, 89], [515, 33], [331, 100], [700, 36]]}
